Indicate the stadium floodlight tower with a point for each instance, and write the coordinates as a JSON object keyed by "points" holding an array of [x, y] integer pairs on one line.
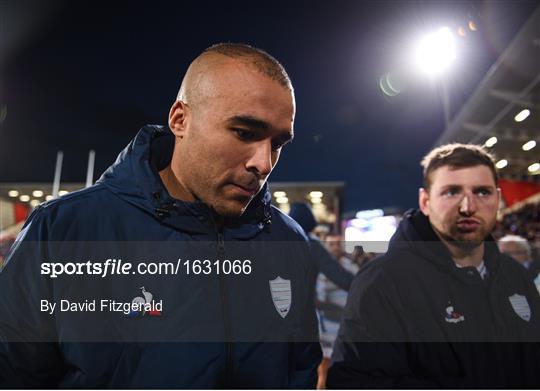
{"points": [[432, 56]]}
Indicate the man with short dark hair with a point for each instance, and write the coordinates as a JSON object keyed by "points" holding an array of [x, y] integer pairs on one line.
{"points": [[173, 271], [443, 307]]}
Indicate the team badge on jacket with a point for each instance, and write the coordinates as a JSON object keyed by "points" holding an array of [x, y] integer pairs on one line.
{"points": [[144, 305], [520, 306], [281, 295], [453, 316]]}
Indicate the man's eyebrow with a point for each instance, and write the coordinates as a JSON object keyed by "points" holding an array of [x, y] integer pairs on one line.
{"points": [[259, 124], [249, 121], [481, 187], [476, 187]]}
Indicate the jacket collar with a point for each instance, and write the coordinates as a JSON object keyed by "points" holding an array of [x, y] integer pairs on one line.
{"points": [[134, 178], [416, 235]]}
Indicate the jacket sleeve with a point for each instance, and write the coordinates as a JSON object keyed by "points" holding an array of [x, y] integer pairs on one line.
{"points": [[370, 351], [329, 266], [28, 355]]}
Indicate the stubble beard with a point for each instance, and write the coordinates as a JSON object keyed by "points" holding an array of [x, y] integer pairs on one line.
{"points": [[464, 241]]}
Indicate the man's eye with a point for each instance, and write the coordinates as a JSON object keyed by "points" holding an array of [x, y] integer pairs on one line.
{"points": [[244, 134], [450, 192], [483, 192]]}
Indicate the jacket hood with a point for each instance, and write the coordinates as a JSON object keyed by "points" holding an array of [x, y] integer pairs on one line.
{"points": [[134, 177], [303, 215], [415, 235]]}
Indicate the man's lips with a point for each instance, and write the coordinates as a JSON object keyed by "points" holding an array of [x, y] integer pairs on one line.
{"points": [[468, 224], [248, 191]]}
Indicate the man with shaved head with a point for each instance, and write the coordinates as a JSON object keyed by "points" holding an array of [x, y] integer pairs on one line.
{"points": [[173, 270], [234, 113]]}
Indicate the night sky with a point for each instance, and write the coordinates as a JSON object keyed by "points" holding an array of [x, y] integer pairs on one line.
{"points": [[76, 76]]}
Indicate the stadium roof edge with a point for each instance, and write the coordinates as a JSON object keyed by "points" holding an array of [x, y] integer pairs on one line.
{"points": [[492, 76]]}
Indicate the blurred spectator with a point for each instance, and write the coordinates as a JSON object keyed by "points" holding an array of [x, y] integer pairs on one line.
{"points": [[525, 223], [5, 245], [321, 231], [360, 257], [330, 303], [328, 272], [334, 244], [323, 261], [519, 248]]}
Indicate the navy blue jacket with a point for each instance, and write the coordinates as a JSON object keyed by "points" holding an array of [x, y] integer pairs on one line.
{"points": [[415, 320], [216, 329]]}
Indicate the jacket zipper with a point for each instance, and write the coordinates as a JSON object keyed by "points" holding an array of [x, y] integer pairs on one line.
{"points": [[225, 313]]}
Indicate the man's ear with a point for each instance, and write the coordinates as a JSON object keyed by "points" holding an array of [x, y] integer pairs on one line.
{"points": [[499, 197], [178, 118], [423, 201]]}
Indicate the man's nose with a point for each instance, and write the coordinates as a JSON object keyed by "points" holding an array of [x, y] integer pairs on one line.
{"points": [[467, 205], [261, 158]]}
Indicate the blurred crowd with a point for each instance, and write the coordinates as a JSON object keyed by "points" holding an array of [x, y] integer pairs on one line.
{"points": [[4, 247], [524, 223]]}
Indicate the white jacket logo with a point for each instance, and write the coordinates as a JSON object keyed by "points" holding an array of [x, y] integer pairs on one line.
{"points": [[521, 306], [281, 295]]}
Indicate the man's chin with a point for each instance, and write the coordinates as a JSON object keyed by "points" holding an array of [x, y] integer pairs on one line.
{"points": [[231, 210], [461, 239], [469, 239]]}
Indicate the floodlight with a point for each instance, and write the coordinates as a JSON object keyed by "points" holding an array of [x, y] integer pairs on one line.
{"points": [[522, 115], [501, 163], [529, 145], [491, 142], [435, 52], [534, 167]]}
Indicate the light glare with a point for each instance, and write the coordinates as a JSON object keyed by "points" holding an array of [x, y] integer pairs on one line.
{"points": [[24, 198], [37, 193], [522, 115], [316, 194], [501, 163], [491, 142], [282, 200], [534, 167], [435, 51], [529, 145], [13, 193]]}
